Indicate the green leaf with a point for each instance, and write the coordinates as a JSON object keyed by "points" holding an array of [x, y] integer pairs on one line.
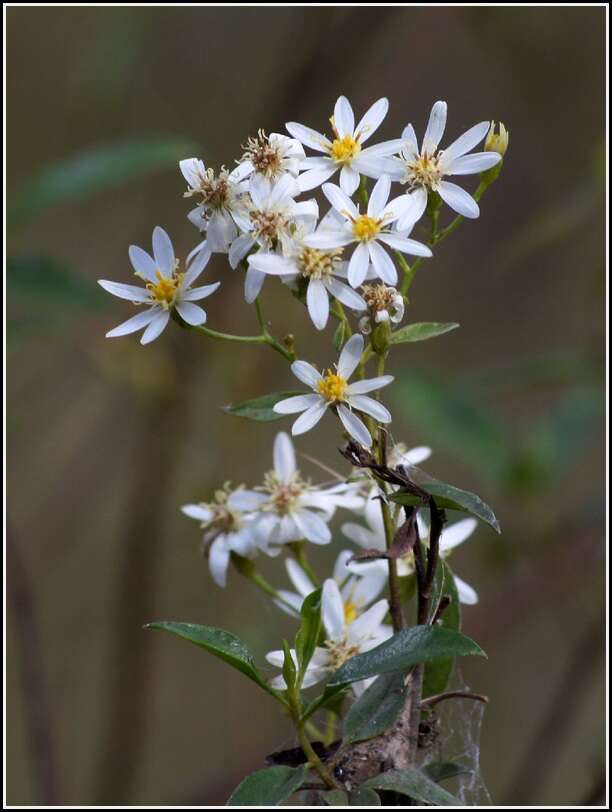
{"points": [[437, 674], [221, 644], [269, 787], [336, 797], [289, 669], [308, 634], [363, 796], [443, 770], [451, 498], [261, 408], [421, 331], [330, 698], [419, 644], [84, 174], [415, 785], [376, 709]]}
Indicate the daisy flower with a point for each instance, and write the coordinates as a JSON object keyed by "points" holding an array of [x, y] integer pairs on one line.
{"points": [[288, 507], [333, 389], [425, 170], [271, 155], [369, 231], [357, 590], [228, 525], [220, 196], [345, 150], [344, 639], [372, 537], [165, 290], [322, 270], [267, 221], [384, 304]]}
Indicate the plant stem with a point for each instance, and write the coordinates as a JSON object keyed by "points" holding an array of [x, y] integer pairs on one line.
{"points": [[313, 759], [264, 338], [297, 549]]}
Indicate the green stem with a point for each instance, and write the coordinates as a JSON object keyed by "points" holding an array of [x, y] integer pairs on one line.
{"points": [[313, 759], [297, 550], [265, 338]]}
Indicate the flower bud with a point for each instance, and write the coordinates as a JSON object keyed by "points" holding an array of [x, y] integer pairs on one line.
{"points": [[497, 142]]}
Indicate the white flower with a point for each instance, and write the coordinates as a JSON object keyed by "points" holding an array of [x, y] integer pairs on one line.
{"points": [[166, 289], [357, 590], [424, 170], [267, 221], [345, 638], [220, 197], [369, 231], [345, 151], [289, 508], [228, 525], [384, 304], [321, 269], [373, 537], [271, 156], [333, 389]]}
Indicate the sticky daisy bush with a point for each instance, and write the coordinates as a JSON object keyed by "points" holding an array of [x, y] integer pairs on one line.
{"points": [[344, 220]]}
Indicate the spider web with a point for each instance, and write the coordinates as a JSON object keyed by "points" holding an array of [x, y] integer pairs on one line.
{"points": [[460, 723]]}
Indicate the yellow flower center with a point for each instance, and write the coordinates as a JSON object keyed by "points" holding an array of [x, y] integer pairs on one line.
{"points": [[332, 387], [316, 264], [343, 150], [424, 171], [164, 290], [365, 227], [351, 612]]}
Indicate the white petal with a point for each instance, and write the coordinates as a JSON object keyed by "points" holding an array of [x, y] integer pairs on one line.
{"points": [[311, 138], [312, 527], [306, 373], [415, 456], [471, 164], [354, 426], [259, 189], [310, 418], [379, 196], [332, 609], [369, 587], [298, 577], [137, 322], [372, 120], [195, 294], [349, 179], [192, 169], [369, 385], [383, 150], [318, 303], [465, 143], [340, 200], [163, 251], [383, 264], [373, 166], [197, 266], [405, 245], [156, 327], [191, 313], [143, 264], [363, 403], [368, 622], [253, 284], [340, 570], [435, 127], [466, 593], [246, 500], [350, 356], [284, 457], [298, 403], [456, 534], [315, 177], [358, 265], [285, 187], [218, 560], [130, 292], [411, 147], [344, 118], [328, 239], [458, 199], [362, 536], [239, 248], [272, 264], [412, 213], [345, 294]]}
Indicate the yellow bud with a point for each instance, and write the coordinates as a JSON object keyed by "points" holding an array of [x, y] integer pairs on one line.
{"points": [[497, 142]]}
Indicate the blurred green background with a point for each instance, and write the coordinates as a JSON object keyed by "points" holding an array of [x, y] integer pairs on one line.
{"points": [[106, 439]]}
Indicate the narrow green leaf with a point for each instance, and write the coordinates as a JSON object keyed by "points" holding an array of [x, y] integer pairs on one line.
{"points": [[437, 674], [419, 644], [261, 408], [415, 785], [289, 669], [421, 331], [221, 644], [363, 796], [376, 709], [269, 787], [308, 634], [451, 498], [93, 170], [443, 770]]}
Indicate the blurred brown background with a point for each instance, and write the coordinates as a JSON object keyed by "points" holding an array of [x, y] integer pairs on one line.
{"points": [[107, 438]]}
